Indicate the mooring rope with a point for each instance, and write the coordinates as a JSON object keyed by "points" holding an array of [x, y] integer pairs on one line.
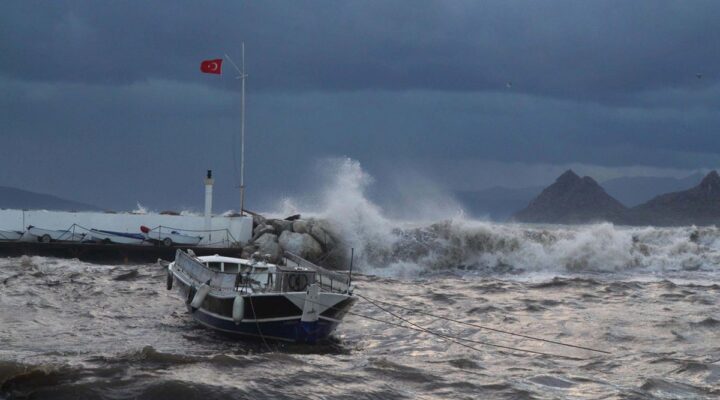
{"points": [[485, 327], [453, 339], [257, 324]]}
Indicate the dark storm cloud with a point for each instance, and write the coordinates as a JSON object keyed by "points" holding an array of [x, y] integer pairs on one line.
{"points": [[103, 101], [151, 142], [583, 50]]}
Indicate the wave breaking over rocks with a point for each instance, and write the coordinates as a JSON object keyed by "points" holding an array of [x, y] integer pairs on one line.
{"points": [[344, 218]]}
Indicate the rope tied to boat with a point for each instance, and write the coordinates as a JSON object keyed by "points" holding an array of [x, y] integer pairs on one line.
{"points": [[483, 327], [257, 324], [452, 338], [457, 340]]}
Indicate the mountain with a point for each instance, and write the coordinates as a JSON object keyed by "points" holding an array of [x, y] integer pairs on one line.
{"points": [[572, 199], [499, 203], [699, 205], [496, 203], [23, 199], [635, 190]]}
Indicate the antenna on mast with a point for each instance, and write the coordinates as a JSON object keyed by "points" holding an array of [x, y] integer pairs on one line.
{"points": [[242, 76]]}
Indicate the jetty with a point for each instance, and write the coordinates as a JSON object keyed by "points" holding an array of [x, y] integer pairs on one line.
{"points": [[126, 236]]}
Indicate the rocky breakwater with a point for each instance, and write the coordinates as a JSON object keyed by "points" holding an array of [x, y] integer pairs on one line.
{"points": [[312, 239]]}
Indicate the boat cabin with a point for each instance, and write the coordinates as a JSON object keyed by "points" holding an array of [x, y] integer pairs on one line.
{"points": [[257, 273]]}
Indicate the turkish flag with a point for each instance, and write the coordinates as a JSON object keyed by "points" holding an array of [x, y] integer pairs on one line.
{"points": [[211, 66]]}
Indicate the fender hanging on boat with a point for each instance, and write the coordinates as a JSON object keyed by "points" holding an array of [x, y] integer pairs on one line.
{"points": [[170, 278], [200, 296], [238, 311]]}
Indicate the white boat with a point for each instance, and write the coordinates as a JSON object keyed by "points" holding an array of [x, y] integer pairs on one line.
{"points": [[10, 235], [297, 302], [49, 235], [168, 237], [103, 236]]}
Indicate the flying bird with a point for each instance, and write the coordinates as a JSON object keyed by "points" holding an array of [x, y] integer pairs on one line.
{"points": [[699, 75], [508, 85]]}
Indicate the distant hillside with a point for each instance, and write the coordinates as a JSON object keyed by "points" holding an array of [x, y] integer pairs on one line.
{"points": [[23, 199], [699, 205], [635, 190], [572, 199], [497, 203], [500, 203]]}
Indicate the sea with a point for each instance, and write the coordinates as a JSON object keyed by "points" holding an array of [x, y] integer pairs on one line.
{"points": [[452, 307]]}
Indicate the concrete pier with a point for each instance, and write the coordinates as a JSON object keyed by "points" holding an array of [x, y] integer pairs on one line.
{"points": [[107, 253]]}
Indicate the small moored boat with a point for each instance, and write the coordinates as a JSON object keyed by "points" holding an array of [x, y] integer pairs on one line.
{"points": [[298, 302], [49, 235], [99, 235], [168, 237], [294, 300]]}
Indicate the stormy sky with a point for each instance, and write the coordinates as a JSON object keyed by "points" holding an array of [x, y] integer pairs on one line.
{"points": [[103, 102]]}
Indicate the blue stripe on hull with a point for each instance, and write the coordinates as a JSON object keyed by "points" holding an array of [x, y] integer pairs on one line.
{"points": [[292, 330]]}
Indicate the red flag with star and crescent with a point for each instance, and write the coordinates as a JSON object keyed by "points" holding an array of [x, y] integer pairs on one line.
{"points": [[212, 66]]}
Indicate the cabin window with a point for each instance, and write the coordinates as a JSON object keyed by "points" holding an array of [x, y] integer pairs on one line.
{"points": [[231, 268], [215, 266]]}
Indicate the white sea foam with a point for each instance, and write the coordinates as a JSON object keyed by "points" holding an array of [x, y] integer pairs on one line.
{"points": [[392, 247], [52, 265], [140, 209]]}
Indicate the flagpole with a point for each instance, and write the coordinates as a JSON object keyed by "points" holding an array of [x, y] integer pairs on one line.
{"points": [[242, 76], [242, 137]]}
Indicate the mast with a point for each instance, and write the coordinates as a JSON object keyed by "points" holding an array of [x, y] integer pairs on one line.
{"points": [[242, 136]]}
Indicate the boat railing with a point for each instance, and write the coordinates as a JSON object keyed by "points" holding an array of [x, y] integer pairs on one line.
{"points": [[195, 270], [282, 279], [332, 281]]}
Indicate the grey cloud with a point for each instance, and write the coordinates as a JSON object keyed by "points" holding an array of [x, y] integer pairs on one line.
{"points": [[600, 51]]}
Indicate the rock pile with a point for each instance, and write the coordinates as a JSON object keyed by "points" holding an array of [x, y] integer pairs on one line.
{"points": [[312, 239]]}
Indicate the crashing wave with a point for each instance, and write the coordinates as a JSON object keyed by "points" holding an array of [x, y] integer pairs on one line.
{"points": [[436, 242], [492, 247]]}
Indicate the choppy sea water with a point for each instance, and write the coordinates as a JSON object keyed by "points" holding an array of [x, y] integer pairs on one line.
{"points": [[70, 329]]}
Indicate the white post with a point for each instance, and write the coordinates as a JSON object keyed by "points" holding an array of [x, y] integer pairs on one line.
{"points": [[208, 202]]}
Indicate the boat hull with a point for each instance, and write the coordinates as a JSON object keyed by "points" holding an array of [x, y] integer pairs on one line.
{"points": [[47, 235], [287, 330], [115, 237]]}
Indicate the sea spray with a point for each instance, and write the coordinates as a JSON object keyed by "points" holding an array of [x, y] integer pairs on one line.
{"points": [[139, 209], [393, 247]]}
